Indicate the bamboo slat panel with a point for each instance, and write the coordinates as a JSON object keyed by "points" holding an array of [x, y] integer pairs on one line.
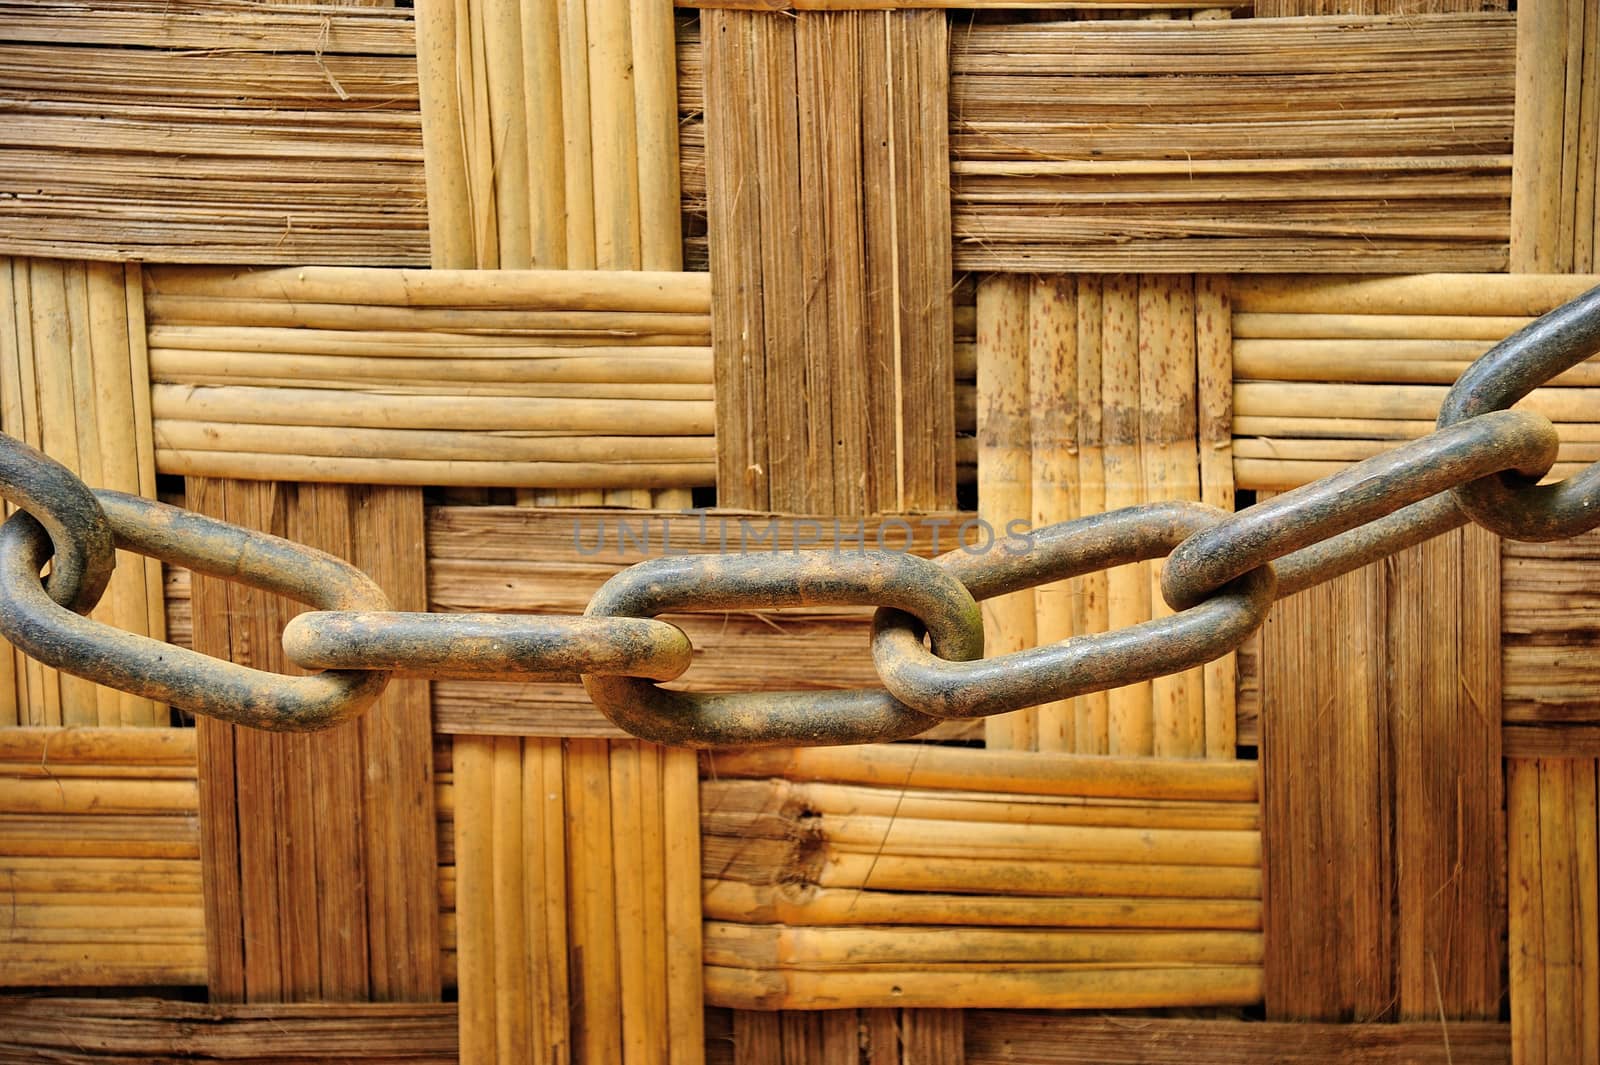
{"points": [[1091, 396], [531, 560], [436, 377], [162, 1031], [577, 913], [213, 132], [1555, 925], [99, 859], [998, 879], [1382, 809], [1001, 1037], [320, 863], [1555, 198], [1550, 603], [837, 1037], [1332, 370], [552, 134], [74, 381], [829, 247], [1237, 145]]}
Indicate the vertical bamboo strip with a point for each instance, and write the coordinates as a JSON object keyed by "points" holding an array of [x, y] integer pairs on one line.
{"points": [[631, 860], [546, 138], [1527, 943], [1127, 587], [1053, 466], [473, 768], [509, 993], [444, 132], [1214, 371], [506, 114], [545, 843], [1004, 477], [654, 1021], [1556, 874], [1536, 188], [1586, 838], [613, 135], [13, 693], [655, 86], [1093, 710], [592, 903], [680, 807], [578, 145], [1587, 186], [1170, 468]]}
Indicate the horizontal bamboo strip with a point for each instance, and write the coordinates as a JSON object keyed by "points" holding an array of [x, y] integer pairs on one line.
{"points": [[135, 917], [1413, 402], [1248, 448], [72, 1029], [89, 795], [1370, 326], [733, 900], [602, 324], [482, 448], [1014, 877], [318, 469], [1328, 428], [615, 376], [915, 837], [1036, 773], [101, 964], [1515, 295], [304, 406], [90, 746], [520, 290], [745, 946], [1089, 988], [1280, 475], [402, 343]]}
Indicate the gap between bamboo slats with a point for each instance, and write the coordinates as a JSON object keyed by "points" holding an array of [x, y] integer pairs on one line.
{"points": [[1089, 396], [100, 858], [74, 381], [259, 136], [555, 379], [1382, 352], [1101, 117]]}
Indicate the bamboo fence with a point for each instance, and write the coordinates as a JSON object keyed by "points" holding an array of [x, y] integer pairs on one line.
{"points": [[996, 265]]}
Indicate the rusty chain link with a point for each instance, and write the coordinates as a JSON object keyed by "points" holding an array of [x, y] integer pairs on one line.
{"points": [[1222, 574]]}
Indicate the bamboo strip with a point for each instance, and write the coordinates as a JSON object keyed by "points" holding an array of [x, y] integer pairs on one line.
{"points": [[1004, 478], [528, 290], [577, 132], [1091, 988], [437, 445], [630, 851], [952, 839], [592, 901], [318, 469], [1537, 187], [1215, 371], [1093, 711], [225, 310], [1038, 774], [1035, 877], [732, 900], [1460, 295], [444, 158], [685, 989], [767, 947], [1053, 465], [475, 910]]}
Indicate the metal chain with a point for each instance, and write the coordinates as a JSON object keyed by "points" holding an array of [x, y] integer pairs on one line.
{"points": [[1222, 574]]}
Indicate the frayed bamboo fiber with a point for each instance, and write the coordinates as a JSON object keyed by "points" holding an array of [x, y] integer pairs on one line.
{"points": [[733, 900], [1095, 987], [74, 382]]}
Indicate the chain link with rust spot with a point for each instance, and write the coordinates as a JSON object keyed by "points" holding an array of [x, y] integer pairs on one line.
{"points": [[1222, 574]]}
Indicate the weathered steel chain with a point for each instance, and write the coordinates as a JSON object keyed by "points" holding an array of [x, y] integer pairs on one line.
{"points": [[1222, 574]]}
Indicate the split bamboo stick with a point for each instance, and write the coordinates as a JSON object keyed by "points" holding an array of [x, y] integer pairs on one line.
{"points": [[1215, 371], [1053, 465], [685, 988], [731, 900], [320, 469], [1004, 478], [1092, 610]]}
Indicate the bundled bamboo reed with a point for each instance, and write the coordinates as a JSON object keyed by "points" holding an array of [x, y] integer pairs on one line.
{"points": [[214, 111], [516, 378], [1382, 352], [1233, 145], [1087, 885], [74, 380], [99, 857]]}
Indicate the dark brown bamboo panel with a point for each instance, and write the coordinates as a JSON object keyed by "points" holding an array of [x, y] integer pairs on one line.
{"points": [[208, 133], [1382, 813], [826, 164], [1361, 144], [149, 1030], [1551, 620], [842, 1037], [319, 856], [99, 859], [1555, 910], [1008, 1037], [1555, 199]]}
